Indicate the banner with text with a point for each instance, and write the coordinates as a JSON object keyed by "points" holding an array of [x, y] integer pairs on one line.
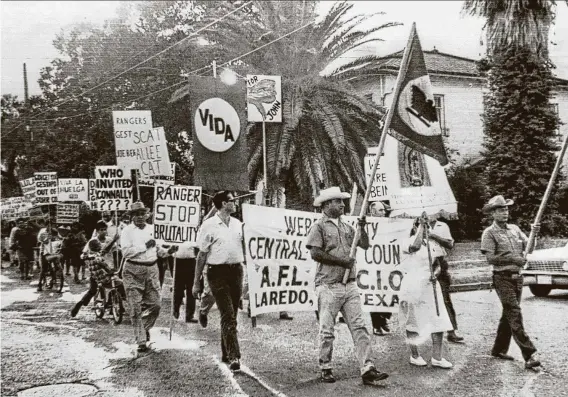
{"points": [[29, 189], [46, 188], [264, 98], [163, 179], [15, 207], [72, 189], [67, 213], [177, 213], [113, 188], [379, 187], [139, 146], [281, 271]]}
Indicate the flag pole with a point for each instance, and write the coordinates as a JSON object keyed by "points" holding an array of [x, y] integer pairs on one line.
{"points": [[396, 92], [546, 196]]}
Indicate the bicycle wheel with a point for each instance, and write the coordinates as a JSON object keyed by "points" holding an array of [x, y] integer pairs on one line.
{"points": [[99, 304], [59, 278], [116, 306]]}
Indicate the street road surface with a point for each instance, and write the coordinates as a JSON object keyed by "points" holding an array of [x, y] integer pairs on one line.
{"points": [[42, 346]]}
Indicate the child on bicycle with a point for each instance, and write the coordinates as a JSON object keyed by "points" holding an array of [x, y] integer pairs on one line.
{"points": [[51, 256], [100, 271]]}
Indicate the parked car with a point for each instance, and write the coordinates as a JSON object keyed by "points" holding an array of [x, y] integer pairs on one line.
{"points": [[547, 269]]}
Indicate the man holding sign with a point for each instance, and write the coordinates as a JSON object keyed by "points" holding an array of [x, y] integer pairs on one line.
{"points": [[329, 241]]}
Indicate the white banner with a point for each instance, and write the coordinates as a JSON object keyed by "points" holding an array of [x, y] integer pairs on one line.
{"points": [[139, 146], [264, 98], [73, 189], [281, 272], [15, 207], [379, 187], [46, 188], [163, 179], [417, 183], [113, 188], [29, 189], [67, 213], [177, 213]]}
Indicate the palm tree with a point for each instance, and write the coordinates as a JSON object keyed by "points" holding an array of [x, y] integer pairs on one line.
{"points": [[327, 126]]}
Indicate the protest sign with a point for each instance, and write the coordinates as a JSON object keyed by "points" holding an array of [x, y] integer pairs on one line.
{"points": [[163, 179], [46, 188], [379, 186], [281, 272], [138, 145], [29, 189], [113, 188], [264, 98], [72, 189], [15, 207], [67, 213], [177, 212]]}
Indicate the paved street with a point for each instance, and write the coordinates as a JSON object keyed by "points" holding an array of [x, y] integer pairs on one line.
{"points": [[42, 345]]}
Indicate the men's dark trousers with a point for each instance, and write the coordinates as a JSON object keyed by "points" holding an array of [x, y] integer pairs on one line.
{"points": [[445, 282], [185, 272], [163, 264], [91, 292], [509, 287], [226, 283]]}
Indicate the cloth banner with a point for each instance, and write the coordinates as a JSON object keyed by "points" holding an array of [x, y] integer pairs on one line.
{"points": [[46, 188], [113, 188], [281, 271], [72, 189], [177, 213], [415, 182], [415, 119], [15, 207], [218, 120], [67, 213]]}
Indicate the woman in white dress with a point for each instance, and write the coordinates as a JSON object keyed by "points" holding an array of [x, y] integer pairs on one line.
{"points": [[417, 305]]}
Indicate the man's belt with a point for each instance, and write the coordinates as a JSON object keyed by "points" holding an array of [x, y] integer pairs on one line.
{"points": [[140, 263], [506, 272]]}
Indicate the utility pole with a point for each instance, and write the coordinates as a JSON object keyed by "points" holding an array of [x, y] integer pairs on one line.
{"points": [[27, 102]]}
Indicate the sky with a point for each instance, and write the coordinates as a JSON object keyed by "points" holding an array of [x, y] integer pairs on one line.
{"points": [[29, 27]]}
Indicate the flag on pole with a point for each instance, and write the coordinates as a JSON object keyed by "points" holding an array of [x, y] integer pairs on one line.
{"points": [[415, 119]]}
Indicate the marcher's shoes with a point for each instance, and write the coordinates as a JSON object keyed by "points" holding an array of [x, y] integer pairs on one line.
{"points": [[75, 310], [327, 376], [235, 365], [372, 375], [454, 338], [378, 331], [190, 320], [532, 363], [418, 361], [176, 313], [503, 356], [285, 316], [443, 363], [203, 320]]}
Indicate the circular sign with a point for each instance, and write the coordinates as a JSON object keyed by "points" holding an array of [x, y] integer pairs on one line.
{"points": [[217, 124]]}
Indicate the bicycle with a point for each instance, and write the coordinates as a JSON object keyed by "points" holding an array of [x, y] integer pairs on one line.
{"points": [[54, 268], [109, 299]]}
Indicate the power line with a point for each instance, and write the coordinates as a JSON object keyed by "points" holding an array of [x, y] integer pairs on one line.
{"points": [[143, 62]]}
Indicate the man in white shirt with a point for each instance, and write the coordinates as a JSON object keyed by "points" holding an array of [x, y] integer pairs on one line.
{"points": [[220, 246], [140, 273], [441, 240]]}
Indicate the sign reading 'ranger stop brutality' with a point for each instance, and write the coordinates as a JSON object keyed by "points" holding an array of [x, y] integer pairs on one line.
{"points": [[177, 213]]}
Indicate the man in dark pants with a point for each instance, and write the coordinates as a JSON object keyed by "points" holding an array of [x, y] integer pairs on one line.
{"points": [[220, 243], [183, 282], [503, 244]]}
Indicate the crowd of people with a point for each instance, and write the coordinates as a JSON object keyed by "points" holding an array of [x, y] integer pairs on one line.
{"points": [[211, 271]]}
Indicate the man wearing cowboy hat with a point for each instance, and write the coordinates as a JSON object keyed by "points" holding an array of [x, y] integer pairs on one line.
{"points": [[503, 244], [329, 241], [140, 274]]}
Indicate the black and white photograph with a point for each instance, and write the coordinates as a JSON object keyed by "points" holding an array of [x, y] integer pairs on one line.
{"points": [[284, 198]]}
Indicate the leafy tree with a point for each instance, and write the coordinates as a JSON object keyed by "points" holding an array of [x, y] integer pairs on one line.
{"points": [[519, 122], [327, 126]]}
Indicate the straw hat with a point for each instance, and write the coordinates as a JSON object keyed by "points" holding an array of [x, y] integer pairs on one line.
{"points": [[496, 202], [330, 194]]}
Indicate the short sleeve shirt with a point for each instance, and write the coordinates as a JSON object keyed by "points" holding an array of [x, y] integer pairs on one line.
{"points": [[222, 243], [497, 240], [442, 230], [334, 239]]}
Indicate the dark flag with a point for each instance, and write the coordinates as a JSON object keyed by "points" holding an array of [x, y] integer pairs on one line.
{"points": [[218, 119], [415, 120]]}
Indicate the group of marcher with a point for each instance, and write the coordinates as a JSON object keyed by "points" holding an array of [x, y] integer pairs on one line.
{"points": [[212, 270]]}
